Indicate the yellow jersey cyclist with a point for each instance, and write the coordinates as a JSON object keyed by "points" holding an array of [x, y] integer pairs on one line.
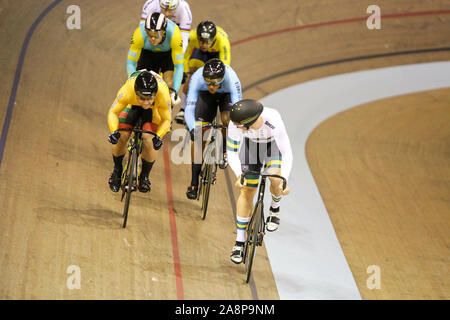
{"points": [[144, 95], [157, 45], [208, 41], [257, 137]]}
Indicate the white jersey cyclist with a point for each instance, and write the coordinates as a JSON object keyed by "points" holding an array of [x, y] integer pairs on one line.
{"points": [[272, 130], [182, 15]]}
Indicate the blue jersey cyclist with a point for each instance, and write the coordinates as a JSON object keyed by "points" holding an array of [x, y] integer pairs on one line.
{"points": [[211, 86]]}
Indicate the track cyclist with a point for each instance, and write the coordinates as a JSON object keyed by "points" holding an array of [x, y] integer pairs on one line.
{"points": [[144, 95], [206, 42], [176, 10], [156, 45], [264, 142], [213, 85]]}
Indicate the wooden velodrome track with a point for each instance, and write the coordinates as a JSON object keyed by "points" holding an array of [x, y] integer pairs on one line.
{"points": [[56, 209]]}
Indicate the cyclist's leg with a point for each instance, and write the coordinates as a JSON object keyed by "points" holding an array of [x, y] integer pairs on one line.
{"points": [[273, 163], [167, 69], [127, 119], [244, 206], [148, 152], [203, 115], [225, 108]]}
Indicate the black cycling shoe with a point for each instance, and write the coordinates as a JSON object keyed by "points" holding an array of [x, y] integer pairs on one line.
{"points": [[114, 181], [191, 192], [144, 184]]}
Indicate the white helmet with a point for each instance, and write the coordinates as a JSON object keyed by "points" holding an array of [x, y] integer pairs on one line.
{"points": [[169, 4]]}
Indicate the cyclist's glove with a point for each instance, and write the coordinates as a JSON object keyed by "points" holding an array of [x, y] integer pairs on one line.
{"points": [[157, 142], [114, 137]]}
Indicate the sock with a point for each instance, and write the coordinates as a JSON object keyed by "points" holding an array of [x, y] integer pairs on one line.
{"points": [[241, 224], [118, 163], [146, 167], [276, 201], [196, 168]]}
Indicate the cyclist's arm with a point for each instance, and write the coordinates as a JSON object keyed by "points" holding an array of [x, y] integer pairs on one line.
{"points": [[137, 43], [116, 108], [234, 85], [188, 52], [224, 50], [233, 142], [176, 43], [191, 100], [185, 24], [164, 104], [284, 145]]}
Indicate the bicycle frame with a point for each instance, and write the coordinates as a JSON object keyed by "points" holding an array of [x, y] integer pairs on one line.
{"points": [[130, 170], [209, 167], [257, 223]]}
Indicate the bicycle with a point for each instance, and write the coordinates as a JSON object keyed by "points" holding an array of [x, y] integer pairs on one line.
{"points": [[257, 223], [209, 167], [130, 170]]}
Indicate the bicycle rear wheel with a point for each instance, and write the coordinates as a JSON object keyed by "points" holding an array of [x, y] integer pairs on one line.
{"points": [[252, 241], [132, 163]]}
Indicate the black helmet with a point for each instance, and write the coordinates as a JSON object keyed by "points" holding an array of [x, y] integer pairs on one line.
{"points": [[156, 22], [246, 112], [214, 69], [206, 31], [146, 84]]}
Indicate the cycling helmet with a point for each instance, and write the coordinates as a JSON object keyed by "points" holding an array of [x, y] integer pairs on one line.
{"points": [[213, 69], [146, 84], [169, 4], [156, 22], [246, 112], [206, 31]]}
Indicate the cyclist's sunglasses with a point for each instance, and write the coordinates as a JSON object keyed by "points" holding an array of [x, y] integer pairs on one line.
{"points": [[246, 126], [206, 39], [145, 97], [155, 34], [213, 82]]}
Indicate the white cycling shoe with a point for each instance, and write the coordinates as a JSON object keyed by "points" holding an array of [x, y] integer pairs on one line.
{"points": [[237, 255], [273, 220]]}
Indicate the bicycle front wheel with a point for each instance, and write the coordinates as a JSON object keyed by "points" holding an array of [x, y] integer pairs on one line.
{"points": [[131, 171], [252, 241], [206, 189]]}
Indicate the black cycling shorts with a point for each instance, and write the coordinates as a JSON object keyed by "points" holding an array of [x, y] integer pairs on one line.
{"points": [[254, 156], [155, 61], [207, 103], [128, 118]]}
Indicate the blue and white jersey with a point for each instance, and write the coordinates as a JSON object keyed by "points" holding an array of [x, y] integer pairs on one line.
{"points": [[230, 84]]}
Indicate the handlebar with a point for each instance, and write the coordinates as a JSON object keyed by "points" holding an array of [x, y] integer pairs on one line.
{"points": [[214, 125], [264, 175], [137, 130]]}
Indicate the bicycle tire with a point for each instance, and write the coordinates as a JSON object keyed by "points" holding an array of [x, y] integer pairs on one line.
{"points": [[251, 242], [206, 190], [131, 171]]}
